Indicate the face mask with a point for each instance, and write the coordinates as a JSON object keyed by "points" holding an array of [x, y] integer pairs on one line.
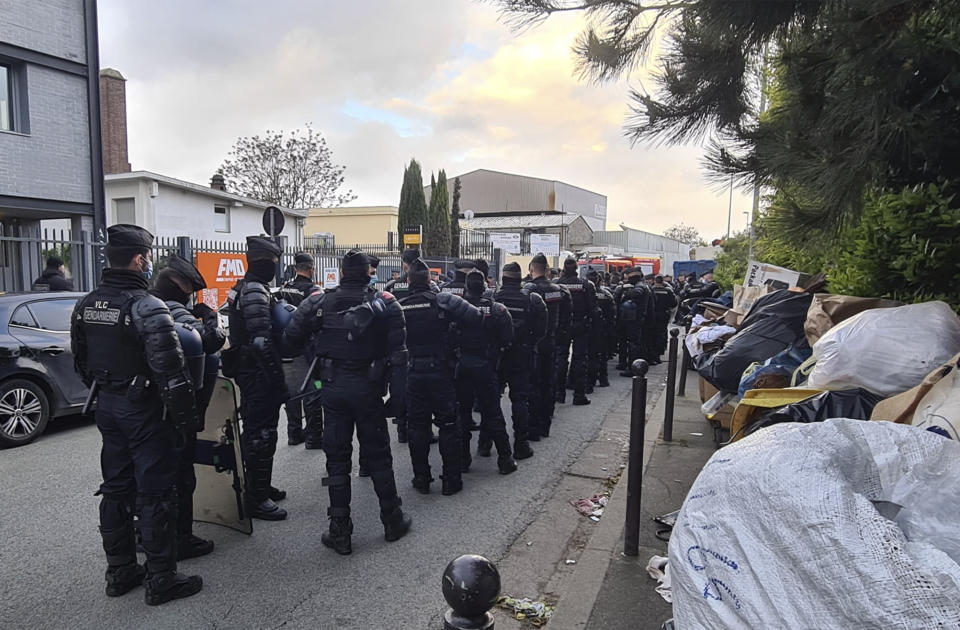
{"points": [[373, 279], [169, 290], [148, 271]]}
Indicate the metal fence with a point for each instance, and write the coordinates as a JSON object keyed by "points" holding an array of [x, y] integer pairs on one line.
{"points": [[23, 255]]}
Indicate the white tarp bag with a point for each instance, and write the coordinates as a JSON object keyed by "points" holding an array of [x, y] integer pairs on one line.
{"points": [[780, 530], [886, 350]]}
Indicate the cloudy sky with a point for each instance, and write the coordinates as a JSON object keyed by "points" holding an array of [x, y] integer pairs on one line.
{"points": [[440, 80]]}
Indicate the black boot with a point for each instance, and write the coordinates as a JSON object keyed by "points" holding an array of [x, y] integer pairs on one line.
{"points": [[483, 448], [119, 544], [123, 579], [422, 484], [588, 389], [451, 485], [276, 494], [266, 510], [561, 397], [260, 502], [169, 585], [190, 546], [604, 381], [396, 524], [362, 470], [339, 533], [465, 461], [522, 450], [580, 399], [156, 527], [506, 465], [402, 436]]}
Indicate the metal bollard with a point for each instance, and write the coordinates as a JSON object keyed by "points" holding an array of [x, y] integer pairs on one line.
{"points": [[471, 585], [671, 382], [638, 418], [684, 368]]}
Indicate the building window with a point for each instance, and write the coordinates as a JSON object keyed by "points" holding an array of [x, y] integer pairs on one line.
{"points": [[221, 219], [126, 210], [13, 97]]}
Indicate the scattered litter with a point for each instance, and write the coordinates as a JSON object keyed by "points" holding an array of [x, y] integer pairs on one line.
{"points": [[537, 613], [697, 434], [678, 481], [592, 507], [529, 543], [602, 468], [659, 569], [571, 561]]}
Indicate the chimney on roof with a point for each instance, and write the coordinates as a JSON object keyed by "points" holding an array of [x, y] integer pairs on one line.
{"points": [[217, 183], [113, 121]]}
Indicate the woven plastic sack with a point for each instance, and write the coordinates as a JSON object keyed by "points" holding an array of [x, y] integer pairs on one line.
{"points": [[886, 350], [780, 530]]}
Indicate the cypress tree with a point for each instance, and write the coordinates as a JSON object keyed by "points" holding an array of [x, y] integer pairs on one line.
{"points": [[440, 215], [413, 204], [455, 219]]}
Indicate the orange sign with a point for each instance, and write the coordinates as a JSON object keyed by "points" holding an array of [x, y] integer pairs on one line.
{"points": [[220, 272]]}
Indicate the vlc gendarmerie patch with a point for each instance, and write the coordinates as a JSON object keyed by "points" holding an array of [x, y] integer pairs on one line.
{"points": [[101, 313]]}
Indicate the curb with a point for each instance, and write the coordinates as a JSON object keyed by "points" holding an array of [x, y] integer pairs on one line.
{"points": [[583, 588]]}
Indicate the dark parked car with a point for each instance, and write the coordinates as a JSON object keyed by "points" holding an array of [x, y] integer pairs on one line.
{"points": [[37, 381]]}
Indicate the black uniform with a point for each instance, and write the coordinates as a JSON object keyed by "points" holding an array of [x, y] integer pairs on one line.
{"points": [[430, 383], [308, 407], [583, 295], [458, 285], [358, 333], [648, 331], [663, 301], [633, 306], [253, 360], [602, 338], [125, 346], [476, 380], [558, 321], [528, 313]]}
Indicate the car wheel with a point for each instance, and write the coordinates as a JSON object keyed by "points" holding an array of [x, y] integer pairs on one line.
{"points": [[24, 412]]}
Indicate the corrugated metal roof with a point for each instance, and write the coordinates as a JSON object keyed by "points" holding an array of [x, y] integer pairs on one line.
{"points": [[520, 221]]}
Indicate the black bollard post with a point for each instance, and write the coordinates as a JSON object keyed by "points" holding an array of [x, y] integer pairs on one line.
{"points": [[471, 585], [671, 382], [684, 368], [638, 418]]}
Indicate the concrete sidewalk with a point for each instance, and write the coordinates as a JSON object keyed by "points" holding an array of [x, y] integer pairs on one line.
{"points": [[608, 589]]}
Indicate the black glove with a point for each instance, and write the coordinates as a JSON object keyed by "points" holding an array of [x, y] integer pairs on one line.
{"points": [[201, 310]]}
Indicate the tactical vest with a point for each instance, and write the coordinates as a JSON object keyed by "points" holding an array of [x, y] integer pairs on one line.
{"points": [[553, 296], [475, 340], [517, 302], [337, 339], [428, 328], [400, 289], [578, 294], [115, 354], [457, 288]]}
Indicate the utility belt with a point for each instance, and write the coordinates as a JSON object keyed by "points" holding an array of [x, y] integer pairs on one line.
{"points": [[134, 388], [329, 369]]}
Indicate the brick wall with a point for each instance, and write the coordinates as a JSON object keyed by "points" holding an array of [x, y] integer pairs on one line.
{"points": [[113, 120], [54, 27]]}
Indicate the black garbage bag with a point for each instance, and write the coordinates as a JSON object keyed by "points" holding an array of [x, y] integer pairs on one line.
{"points": [[774, 324], [857, 404]]}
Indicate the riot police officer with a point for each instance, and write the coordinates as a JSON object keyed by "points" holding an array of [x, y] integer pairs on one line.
{"points": [[583, 296], [174, 285], [558, 322], [307, 407], [400, 288], [528, 312], [253, 360], [634, 307], [480, 350], [663, 302], [430, 384], [601, 334], [462, 267], [126, 350], [359, 337]]}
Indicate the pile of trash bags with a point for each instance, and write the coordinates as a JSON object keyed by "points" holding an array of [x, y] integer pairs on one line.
{"points": [[861, 350], [836, 503]]}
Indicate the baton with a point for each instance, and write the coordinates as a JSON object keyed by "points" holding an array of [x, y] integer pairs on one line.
{"points": [[306, 379], [91, 396]]}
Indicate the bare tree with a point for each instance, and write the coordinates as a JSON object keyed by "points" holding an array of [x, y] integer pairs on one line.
{"points": [[685, 234], [291, 171]]}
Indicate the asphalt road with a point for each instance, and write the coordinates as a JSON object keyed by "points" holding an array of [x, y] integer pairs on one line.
{"points": [[51, 563]]}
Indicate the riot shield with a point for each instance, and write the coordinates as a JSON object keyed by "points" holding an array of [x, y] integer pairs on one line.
{"points": [[218, 498]]}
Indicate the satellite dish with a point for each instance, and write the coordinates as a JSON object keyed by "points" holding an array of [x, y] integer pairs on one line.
{"points": [[468, 215]]}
